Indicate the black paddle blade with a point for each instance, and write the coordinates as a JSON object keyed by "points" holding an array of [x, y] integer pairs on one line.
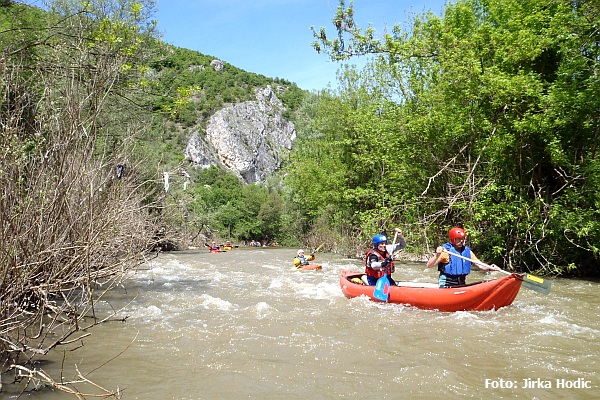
{"points": [[536, 283]]}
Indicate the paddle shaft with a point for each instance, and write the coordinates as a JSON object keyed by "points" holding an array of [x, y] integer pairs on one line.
{"points": [[390, 254], [529, 281], [318, 248], [480, 263], [394, 242]]}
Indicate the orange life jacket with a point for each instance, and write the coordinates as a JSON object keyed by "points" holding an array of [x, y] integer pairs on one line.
{"points": [[378, 273]]}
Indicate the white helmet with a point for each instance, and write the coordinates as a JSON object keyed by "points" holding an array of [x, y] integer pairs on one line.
{"points": [[300, 252]]}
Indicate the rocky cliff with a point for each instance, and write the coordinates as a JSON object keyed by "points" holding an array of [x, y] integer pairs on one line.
{"points": [[249, 139]]}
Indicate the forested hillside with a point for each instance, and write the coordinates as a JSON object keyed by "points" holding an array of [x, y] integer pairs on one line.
{"points": [[485, 117], [184, 88]]}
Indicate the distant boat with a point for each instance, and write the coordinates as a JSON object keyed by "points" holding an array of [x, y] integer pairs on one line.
{"points": [[309, 267]]}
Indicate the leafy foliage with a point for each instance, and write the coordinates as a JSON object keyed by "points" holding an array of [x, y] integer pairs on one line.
{"points": [[485, 118], [207, 88], [221, 208]]}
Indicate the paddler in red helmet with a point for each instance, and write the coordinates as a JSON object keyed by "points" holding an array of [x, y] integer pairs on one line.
{"points": [[454, 270]]}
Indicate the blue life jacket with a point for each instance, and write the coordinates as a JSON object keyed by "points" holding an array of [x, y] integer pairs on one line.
{"points": [[303, 260], [457, 266]]}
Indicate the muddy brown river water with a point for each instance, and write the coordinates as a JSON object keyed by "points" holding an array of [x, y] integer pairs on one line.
{"points": [[242, 325]]}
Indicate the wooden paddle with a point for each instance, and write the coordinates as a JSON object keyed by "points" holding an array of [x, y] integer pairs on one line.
{"points": [[382, 286], [529, 281]]}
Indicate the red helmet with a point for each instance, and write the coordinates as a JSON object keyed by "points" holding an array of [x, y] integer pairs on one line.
{"points": [[456, 233]]}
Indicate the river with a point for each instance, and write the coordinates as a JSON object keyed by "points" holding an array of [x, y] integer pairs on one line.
{"points": [[242, 325]]}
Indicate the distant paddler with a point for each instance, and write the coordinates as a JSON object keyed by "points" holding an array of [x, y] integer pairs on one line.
{"points": [[301, 260]]}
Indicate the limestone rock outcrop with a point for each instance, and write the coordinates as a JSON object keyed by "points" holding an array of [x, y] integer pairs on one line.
{"points": [[249, 139], [217, 65]]}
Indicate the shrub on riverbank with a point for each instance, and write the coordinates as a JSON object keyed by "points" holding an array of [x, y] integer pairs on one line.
{"points": [[74, 211]]}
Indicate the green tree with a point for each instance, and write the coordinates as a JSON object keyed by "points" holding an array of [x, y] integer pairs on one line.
{"points": [[497, 102]]}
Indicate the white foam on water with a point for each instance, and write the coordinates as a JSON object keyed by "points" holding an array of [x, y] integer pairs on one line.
{"points": [[318, 290], [270, 266], [276, 283], [263, 310], [166, 271], [557, 326], [210, 302], [150, 311]]}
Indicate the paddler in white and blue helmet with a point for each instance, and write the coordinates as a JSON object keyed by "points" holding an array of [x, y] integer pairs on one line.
{"points": [[301, 260], [378, 261]]}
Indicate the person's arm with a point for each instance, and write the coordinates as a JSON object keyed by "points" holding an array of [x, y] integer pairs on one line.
{"points": [[432, 261], [481, 266], [373, 262], [399, 246], [440, 256], [311, 257]]}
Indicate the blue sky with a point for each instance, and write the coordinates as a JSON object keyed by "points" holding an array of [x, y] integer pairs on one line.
{"points": [[273, 37]]}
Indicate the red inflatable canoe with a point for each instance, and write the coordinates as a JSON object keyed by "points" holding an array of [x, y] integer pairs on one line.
{"points": [[309, 267], [480, 296]]}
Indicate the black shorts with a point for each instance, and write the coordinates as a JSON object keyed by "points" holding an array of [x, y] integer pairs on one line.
{"points": [[447, 280]]}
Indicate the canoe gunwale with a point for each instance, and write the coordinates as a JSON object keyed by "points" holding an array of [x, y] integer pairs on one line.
{"points": [[476, 296]]}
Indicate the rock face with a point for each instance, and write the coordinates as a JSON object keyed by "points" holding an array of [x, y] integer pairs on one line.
{"points": [[249, 139], [217, 65]]}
